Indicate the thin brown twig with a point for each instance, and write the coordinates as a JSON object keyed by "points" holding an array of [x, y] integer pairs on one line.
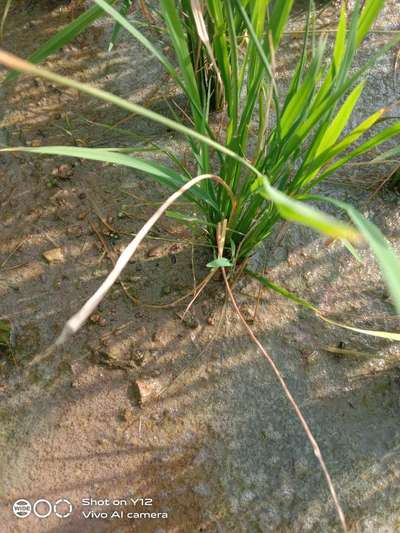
{"points": [[14, 267], [146, 12], [111, 255], [99, 215], [78, 319], [198, 290], [5, 200], [383, 183], [15, 249], [296, 408], [192, 262], [199, 354], [395, 66]]}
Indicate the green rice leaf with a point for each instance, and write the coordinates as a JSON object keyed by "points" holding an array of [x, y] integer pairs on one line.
{"points": [[353, 251], [219, 263], [308, 171], [279, 17], [340, 42], [370, 144], [123, 22], [280, 290], [338, 124], [123, 10], [369, 13], [394, 336], [388, 261], [163, 174], [176, 215], [64, 36], [385, 256], [302, 213]]}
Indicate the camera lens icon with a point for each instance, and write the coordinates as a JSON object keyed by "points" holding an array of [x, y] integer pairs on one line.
{"points": [[63, 508], [42, 508]]}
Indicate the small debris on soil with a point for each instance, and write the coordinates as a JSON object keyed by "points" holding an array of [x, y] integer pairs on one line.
{"points": [[56, 255], [63, 172], [142, 390], [105, 358], [248, 313], [138, 357], [156, 251], [35, 143], [190, 321], [125, 415], [211, 319], [309, 358], [98, 319]]}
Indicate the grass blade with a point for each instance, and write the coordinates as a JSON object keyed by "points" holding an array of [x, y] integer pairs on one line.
{"points": [[304, 303], [301, 213], [387, 259], [64, 36], [369, 13], [163, 174], [126, 4], [279, 18], [4, 17]]}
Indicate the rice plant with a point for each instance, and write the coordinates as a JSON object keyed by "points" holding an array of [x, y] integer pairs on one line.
{"points": [[276, 147]]}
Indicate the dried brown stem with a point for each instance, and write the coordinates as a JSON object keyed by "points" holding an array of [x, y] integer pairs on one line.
{"points": [[289, 396], [77, 320]]}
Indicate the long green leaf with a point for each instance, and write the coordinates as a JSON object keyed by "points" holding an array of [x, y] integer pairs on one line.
{"points": [[338, 124], [374, 141], [123, 10], [289, 207], [163, 174], [307, 172], [16, 63], [301, 134], [103, 5], [278, 20], [387, 259], [369, 13], [64, 36], [300, 301], [301, 213]]}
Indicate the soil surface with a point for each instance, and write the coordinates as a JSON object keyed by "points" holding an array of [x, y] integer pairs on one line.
{"points": [[142, 404]]}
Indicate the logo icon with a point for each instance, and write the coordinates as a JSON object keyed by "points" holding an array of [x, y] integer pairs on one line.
{"points": [[42, 508], [63, 508], [22, 508]]}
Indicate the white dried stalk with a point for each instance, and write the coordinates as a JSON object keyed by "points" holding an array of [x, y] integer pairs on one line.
{"points": [[78, 320], [197, 10]]}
